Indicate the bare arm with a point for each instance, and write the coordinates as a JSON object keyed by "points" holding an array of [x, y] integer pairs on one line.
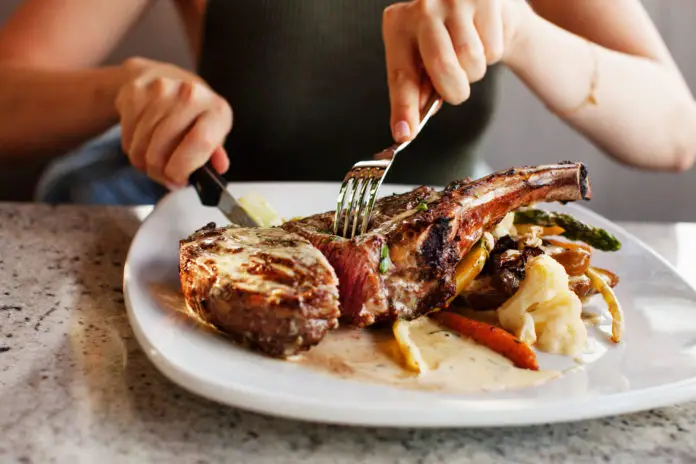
{"points": [[644, 114], [51, 97]]}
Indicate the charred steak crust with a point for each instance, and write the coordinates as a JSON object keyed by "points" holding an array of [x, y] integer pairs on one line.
{"points": [[266, 288], [427, 233]]}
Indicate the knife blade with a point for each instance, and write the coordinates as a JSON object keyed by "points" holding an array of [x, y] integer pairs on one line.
{"points": [[212, 191]]}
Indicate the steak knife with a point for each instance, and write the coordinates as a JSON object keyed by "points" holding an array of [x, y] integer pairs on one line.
{"points": [[212, 191]]}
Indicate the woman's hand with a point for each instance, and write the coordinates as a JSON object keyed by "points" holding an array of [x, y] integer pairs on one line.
{"points": [[452, 41], [172, 123]]}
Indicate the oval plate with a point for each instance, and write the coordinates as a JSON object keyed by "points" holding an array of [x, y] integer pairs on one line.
{"points": [[654, 366]]}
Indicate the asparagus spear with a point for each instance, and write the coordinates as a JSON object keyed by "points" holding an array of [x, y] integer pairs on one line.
{"points": [[573, 229]]}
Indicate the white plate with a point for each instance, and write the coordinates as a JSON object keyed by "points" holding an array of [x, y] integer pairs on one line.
{"points": [[655, 365]]}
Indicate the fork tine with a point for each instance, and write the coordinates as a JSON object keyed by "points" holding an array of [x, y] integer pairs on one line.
{"points": [[367, 176], [351, 199], [339, 204], [365, 204], [374, 188], [361, 203]]}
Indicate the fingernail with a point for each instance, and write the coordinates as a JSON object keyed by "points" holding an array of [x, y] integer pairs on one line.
{"points": [[401, 130]]}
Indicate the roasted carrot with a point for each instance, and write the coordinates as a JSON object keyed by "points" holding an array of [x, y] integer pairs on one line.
{"points": [[495, 338]]}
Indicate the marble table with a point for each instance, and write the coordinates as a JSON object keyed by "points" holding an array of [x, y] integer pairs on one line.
{"points": [[75, 386]]}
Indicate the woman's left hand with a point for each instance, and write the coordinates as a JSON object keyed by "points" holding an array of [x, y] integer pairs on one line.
{"points": [[452, 41]]}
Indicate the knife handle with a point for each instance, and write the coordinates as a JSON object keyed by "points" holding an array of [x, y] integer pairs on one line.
{"points": [[208, 184]]}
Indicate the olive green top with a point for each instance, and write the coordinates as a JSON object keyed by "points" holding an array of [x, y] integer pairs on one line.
{"points": [[307, 83]]}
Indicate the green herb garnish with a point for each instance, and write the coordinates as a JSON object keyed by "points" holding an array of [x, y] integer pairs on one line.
{"points": [[384, 262], [422, 206]]}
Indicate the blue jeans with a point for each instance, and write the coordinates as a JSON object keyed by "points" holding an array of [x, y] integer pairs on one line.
{"points": [[97, 173]]}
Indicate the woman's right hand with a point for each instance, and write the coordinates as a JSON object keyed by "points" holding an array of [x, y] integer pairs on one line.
{"points": [[172, 123]]}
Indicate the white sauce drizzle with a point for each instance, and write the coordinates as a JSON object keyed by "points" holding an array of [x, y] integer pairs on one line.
{"points": [[459, 365]]}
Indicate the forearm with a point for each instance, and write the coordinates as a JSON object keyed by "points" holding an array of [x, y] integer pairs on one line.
{"points": [[643, 113], [47, 111]]}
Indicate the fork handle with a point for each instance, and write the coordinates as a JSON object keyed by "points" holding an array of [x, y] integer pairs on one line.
{"points": [[429, 109], [208, 184]]}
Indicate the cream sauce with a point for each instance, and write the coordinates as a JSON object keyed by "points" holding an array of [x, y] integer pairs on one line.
{"points": [[458, 365]]}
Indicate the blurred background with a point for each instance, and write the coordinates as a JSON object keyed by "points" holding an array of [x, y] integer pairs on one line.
{"points": [[522, 132]]}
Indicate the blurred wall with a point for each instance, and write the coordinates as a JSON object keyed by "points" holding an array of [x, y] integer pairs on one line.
{"points": [[522, 131]]}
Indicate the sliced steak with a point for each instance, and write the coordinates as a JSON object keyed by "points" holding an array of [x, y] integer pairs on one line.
{"points": [[404, 266], [267, 288]]}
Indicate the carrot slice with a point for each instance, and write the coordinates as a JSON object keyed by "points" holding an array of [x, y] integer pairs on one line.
{"points": [[495, 338]]}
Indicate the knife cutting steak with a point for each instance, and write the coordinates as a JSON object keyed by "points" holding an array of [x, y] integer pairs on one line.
{"points": [[403, 267], [267, 288], [273, 289]]}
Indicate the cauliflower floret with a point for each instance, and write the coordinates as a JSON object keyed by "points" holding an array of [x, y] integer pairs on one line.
{"points": [[505, 227], [544, 310]]}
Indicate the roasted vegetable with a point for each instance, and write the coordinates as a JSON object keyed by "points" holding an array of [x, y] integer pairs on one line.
{"points": [[507, 263], [491, 337], [574, 257], [572, 228], [470, 267], [599, 283], [412, 355], [544, 312]]}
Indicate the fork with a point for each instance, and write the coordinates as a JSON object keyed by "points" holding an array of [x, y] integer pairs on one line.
{"points": [[367, 176]]}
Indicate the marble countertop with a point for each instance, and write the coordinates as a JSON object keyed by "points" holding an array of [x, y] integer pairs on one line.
{"points": [[75, 386]]}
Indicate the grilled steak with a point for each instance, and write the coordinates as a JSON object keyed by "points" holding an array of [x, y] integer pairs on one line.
{"points": [[404, 266], [267, 288]]}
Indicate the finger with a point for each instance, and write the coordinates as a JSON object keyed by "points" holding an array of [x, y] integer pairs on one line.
{"points": [[426, 90], [166, 136], [130, 107], [220, 160], [442, 64], [170, 130], [159, 104], [197, 146], [142, 137], [467, 45], [489, 24], [402, 73]]}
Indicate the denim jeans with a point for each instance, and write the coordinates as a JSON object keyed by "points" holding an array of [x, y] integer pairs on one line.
{"points": [[97, 173]]}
